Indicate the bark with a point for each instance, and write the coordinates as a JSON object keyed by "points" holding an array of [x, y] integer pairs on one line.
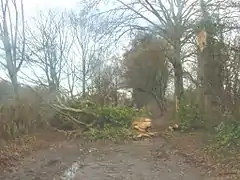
{"points": [[160, 102], [14, 81], [9, 26], [84, 78], [210, 68], [12, 71], [178, 74]]}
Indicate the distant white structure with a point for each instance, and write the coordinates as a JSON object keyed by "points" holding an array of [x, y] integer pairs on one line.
{"points": [[127, 92], [3, 81]]}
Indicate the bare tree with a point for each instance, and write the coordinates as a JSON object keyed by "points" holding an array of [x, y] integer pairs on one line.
{"points": [[12, 29], [106, 83], [71, 73], [88, 50], [49, 46], [172, 20]]}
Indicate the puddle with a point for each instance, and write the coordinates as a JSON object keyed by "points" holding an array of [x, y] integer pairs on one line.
{"points": [[71, 172]]}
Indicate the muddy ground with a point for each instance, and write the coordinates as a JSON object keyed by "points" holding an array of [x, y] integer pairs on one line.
{"points": [[136, 160], [159, 158]]}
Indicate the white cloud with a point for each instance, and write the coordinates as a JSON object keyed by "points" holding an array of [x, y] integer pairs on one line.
{"points": [[32, 7]]}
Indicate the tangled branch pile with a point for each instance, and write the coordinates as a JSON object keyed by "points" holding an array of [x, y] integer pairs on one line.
{"points": [[96, 122]]}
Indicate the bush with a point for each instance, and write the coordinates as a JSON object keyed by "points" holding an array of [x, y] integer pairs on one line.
{"points": [[19, 117], [118, 122], [104, 122], [25, 114], [228, 134], [189, 113], [111, 133], [30, 112], [118, 116]]}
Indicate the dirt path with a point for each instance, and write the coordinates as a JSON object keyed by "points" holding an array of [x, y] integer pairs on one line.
{"points": [[148, 159]]}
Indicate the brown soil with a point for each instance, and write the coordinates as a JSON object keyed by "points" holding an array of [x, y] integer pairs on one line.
{"points": [[196, 147], [161, 158], [148, 159]]}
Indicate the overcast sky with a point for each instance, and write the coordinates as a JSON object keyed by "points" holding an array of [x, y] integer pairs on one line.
{"points": [[33, 7]]}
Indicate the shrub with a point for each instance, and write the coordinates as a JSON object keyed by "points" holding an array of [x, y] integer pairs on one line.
{"points": [[189, 113], [118, 116], [118, 122], [20, 117], [228, 134], [25, 114], [111, 133], [105, 122]]}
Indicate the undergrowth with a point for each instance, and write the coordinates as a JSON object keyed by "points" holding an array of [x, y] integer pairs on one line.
{"points": [[189, 114], [106, 122], [21, 117], [111, 133], [226, 133], [116, 123], [25, 116]]}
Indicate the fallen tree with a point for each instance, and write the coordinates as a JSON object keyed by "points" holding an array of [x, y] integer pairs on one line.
{"points": [[102, 122], [87, 119]]}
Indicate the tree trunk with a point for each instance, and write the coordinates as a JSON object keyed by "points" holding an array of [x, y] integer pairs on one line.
{"points": [[160, 101], [12, 72], [15, 84], [84, 78], [178, 73], [52, 87]]}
